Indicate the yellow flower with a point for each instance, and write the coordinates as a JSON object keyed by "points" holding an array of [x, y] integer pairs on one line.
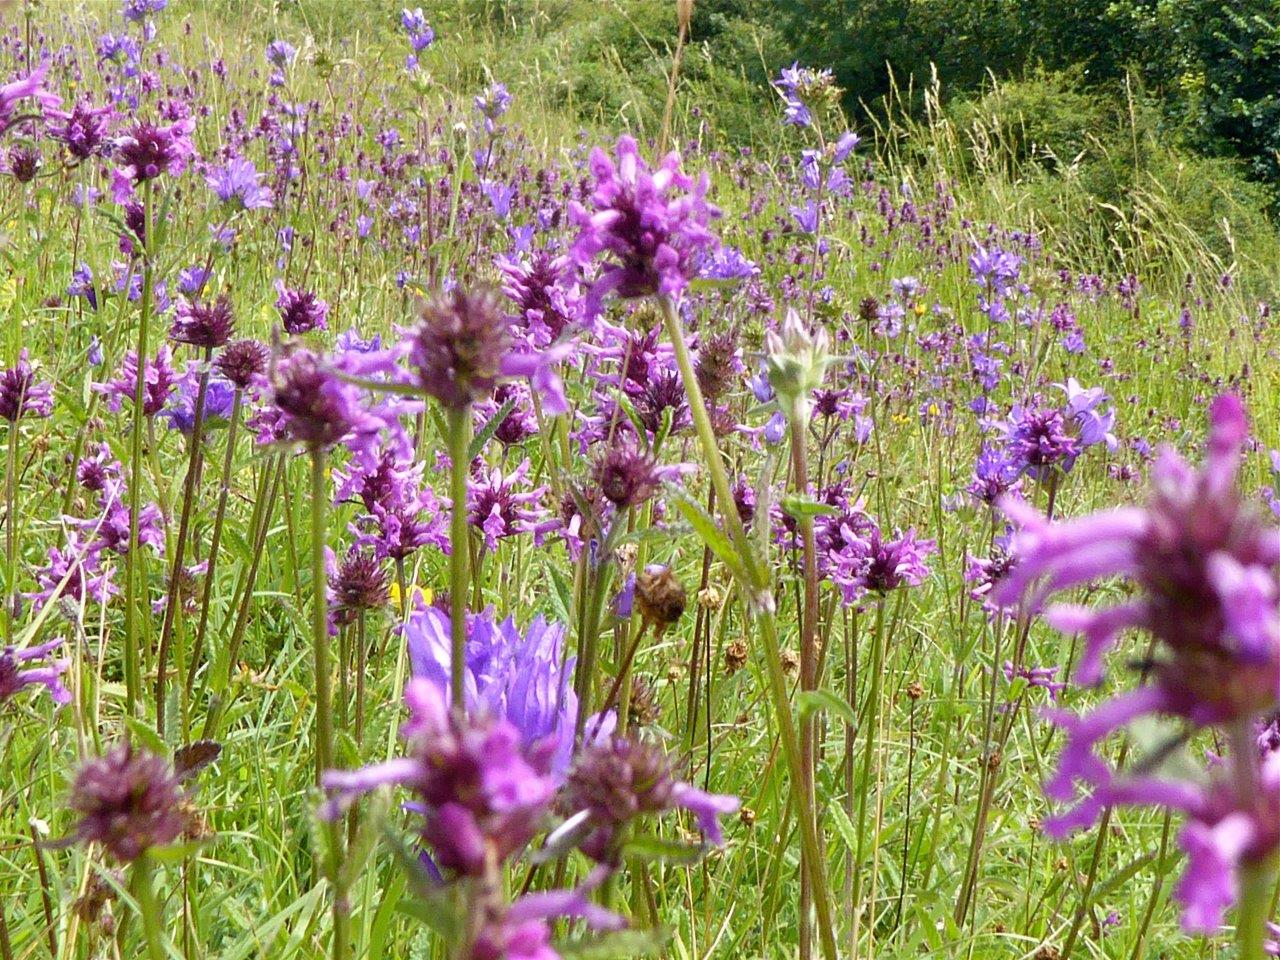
{"points": [[417, 593]]}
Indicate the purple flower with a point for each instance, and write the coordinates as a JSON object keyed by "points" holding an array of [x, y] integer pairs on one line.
{"points": [[994, 476], [28, 87], [651, 225], [481, 790], [21, 394], [148, 151], [181, 411], [1037, 439], [800, 88], [82, 130], [615, 780], [1201, 562], [159, 379], [129, 801], [316, 408], [420, 33], [300, 310], [499, 508], [280, 53], [74, 574], [522, 677], [243, 362], [15, 674], [237, 183], [492, 103], [207, 324]]}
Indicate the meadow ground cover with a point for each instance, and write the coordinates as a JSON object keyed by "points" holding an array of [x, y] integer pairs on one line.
{"points": [[433, 530]]}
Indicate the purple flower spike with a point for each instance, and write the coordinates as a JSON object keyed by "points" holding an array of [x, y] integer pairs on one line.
{"points": [[21, 394], [651, 224]]}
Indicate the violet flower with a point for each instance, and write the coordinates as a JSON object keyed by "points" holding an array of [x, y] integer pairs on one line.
{"points": [[16, 674], [652, 225], [148, 151], [21, 394]]}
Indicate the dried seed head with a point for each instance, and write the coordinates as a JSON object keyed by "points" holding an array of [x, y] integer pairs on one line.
{"points": [[735, 656], [790, 661], [660, 597], [915, 690]]}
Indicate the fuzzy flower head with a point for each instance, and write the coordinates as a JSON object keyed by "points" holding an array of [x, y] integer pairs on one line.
{"points": [[147, 151], [625, 474], [21, 394], [616, 780], [129, 801], [243, 362], [651, 226], [458, 348], [358, 584], [207, 324], [158, 380], [1201, 562], [317, 408], [300, 310], [503, 506]]}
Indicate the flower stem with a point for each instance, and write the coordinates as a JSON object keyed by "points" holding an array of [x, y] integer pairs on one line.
{"points": [[224, 491], [10, 532], [760, 599], [319, 619], [459, 426], [1251, 914], [132, 676], [179, 551], [144, 892]]}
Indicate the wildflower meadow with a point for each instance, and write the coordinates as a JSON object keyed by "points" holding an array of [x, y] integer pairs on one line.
{"points": [[437, 526]]}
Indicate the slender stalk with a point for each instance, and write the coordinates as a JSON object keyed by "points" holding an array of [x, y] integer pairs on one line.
{"points": [[320, 646], [224, 492], [798, 428], [1251, 913], [868, 751], [143, 890], [132, 677], [10, 530], [459, 426], [761, 604], [179, 550]]}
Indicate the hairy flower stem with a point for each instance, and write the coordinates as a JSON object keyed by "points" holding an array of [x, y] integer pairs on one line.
{"points": [[589, 624], [10, 533], [1251, 915], [224, 492], [868, 752], [321, 653], [132, 675], [757, 576], [798, 428], [459, 426], [143, 890], [172, 601], [323, 662]]}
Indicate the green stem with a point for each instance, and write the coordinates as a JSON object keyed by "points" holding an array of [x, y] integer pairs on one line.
{"points": [[319, 618], [459, 425], [189, 495], [1251, 914], [10, 532], [224, 491], [132, 676], [761, 604], [868, 750], [152, 921]]}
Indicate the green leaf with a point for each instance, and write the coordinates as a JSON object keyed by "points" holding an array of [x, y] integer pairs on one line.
{"points": [[620, 943], [656, 849], [485, 433], [708, 531], [799, 507], [145, 734], [844, 826], [810, 701]]}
